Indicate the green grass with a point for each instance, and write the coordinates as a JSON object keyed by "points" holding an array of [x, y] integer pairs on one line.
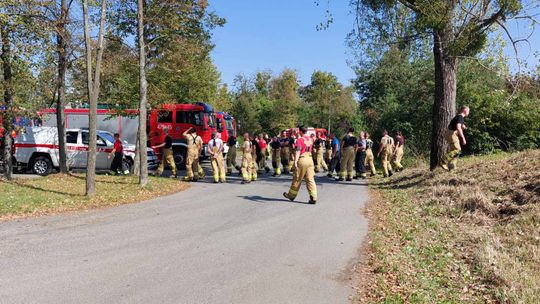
{"points": [[58, 193], [472, 235]]}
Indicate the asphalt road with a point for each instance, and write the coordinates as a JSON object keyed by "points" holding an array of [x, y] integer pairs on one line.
{"points": [[226, 243]]}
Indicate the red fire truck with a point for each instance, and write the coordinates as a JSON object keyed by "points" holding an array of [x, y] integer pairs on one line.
{"points": [[178, 118], [226, 125]]}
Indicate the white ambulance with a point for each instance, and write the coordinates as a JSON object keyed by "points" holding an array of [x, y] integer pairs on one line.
{"points": [[36, 148]]}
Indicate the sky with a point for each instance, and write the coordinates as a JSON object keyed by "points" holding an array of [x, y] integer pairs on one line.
{"points": [[278, 34]]}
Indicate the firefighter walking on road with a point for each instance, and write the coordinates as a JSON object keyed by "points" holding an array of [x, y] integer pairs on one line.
{"points": [[453, 135], [215, 149], [194, 143], [304, 168], [386, 147], [231, 155], [247, 159], [276, 157], [167, 154], [348, 144]]}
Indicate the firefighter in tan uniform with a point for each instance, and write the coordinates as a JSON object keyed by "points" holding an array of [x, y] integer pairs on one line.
{"points": [[304, 168], [276, 157], [215, 149], [370, 158], [194, 143], [231, 155], [386, 147], [318, 154], [284, 152], [255, 150], [398, 151], [348, 154], [453, 135], [167, 154], [292, 153], [247, 159]]}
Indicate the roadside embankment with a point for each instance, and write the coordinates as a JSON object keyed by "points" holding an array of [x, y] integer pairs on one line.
{"points": [[59, 193], [471, 235]]}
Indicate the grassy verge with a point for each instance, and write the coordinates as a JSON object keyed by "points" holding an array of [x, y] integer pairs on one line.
{"points": [[59, 193], [471, 235]]}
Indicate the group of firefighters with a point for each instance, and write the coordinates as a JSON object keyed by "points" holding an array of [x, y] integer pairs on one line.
{"points": [[304, 155]]}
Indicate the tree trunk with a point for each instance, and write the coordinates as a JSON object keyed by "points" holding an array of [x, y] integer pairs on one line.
{"points": [[444, 106], [141, 147], [93, 92], [8, 100], [61, 45]]}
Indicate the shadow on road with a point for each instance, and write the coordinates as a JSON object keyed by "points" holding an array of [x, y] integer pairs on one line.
{"points": [[260, 199]]}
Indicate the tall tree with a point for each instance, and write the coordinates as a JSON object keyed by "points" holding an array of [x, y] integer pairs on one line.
{"points": [[141, 148], [458, 29], [93, 86], [287, 101], [6, 56], [62, 39]]}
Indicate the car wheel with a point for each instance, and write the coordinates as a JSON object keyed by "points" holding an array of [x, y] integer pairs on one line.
{"points": [[42, 166], [126, 166]]}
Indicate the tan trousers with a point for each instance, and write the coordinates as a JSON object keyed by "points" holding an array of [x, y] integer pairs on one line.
{"points": [[276, 161], [306, 172], [398, 156], [319, 160], [168, 158], [247, 166], [192, 163], [218, 167], [231, 159], [284, 151], [370, 161], [347, 162], [385, 159], [454, 148]]}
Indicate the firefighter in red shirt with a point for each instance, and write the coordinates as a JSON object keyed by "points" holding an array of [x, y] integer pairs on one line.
{"points": [[118, 153], [304, 168]]}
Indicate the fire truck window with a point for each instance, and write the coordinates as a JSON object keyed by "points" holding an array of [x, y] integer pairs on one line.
{"points": [[71, 137], [197, 119], [211, 121], [165, 116], [182, 117]]}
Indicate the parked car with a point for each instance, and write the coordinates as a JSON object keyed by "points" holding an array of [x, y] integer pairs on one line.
{"points": [[36, 148]]}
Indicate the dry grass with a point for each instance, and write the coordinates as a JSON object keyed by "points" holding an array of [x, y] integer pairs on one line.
{"points": [[61, 193], [472, 235]]}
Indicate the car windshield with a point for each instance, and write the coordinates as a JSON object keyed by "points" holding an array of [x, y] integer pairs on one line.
{"points": [[108, 136]]}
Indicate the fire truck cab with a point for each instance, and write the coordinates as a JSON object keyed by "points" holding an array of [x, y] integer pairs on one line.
{"points": [[226, 125], [177, 118]]}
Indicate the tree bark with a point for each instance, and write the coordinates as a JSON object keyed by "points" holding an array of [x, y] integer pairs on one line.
{"points": [[8, 99], [444, 106], [93, 92], [141, 145], [61, 45]]}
